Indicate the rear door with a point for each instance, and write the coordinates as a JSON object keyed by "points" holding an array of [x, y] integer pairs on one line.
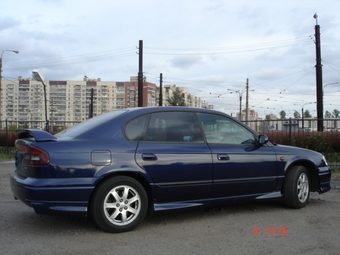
{"points": [[174, 154]]}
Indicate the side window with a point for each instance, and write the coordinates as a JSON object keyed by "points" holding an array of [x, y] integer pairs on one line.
{"points": [[173, 127], [134, 128], [220, 129]]}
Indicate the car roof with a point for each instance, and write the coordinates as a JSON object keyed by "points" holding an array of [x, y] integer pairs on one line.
{"points": [[94, 124], [170, 108]]}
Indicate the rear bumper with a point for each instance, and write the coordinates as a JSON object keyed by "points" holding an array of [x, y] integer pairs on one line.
{"points": [[54, 196]]}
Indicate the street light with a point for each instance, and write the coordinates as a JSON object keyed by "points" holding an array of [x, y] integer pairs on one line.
{"points": [[2, 53], [331, 83], [240, 93], [36, 75], [303, 126]]}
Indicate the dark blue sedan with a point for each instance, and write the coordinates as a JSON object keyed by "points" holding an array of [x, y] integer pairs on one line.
{"points": [[118, 166]]}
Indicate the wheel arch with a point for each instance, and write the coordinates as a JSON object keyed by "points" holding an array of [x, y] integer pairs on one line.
{"points": [[312, 171], [133, 175]]}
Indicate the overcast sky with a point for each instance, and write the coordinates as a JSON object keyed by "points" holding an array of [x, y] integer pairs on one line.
{"points": [[209, 46]]}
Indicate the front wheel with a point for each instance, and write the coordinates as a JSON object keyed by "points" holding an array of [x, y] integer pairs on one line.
{"points": [[296, 187], [119, 204]]}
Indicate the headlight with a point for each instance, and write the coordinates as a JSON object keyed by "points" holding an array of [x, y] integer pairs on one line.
{"points": [[324, 159]]}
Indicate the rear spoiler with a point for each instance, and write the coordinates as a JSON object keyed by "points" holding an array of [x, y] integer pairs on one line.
{"points": [[38, 135]]}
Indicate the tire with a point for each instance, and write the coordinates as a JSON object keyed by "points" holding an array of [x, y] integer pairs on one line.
{"points": [[296, 188], [119, 204]]}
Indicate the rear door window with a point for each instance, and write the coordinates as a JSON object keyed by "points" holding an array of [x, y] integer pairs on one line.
{"points": [[173, 127]]}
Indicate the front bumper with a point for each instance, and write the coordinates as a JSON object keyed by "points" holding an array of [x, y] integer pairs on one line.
{"points": [[325, 175]]}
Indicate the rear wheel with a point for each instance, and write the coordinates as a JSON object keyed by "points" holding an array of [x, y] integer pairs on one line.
{"points": [[119, 204], [296, 187]]}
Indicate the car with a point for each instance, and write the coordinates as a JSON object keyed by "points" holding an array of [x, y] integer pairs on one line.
{"points": [[121, 165]]}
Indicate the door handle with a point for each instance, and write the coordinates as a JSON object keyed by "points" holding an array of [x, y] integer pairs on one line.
{"points": [[149, 156], [223, 157]]}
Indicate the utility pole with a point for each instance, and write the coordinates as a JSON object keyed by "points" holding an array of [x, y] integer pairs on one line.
{"points": [[140, 75], [318, 69], [240, 97], [161, 90], [247, 100]]}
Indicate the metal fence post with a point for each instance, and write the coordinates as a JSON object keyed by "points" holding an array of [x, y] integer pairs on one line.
{"points": [[7, 142], [290, 131]]}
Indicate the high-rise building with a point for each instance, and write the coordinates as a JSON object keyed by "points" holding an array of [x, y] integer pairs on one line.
{"points": [[190, 100], [22, 100], [150, 93]]}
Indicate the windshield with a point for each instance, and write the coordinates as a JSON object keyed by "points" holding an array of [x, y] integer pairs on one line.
{"points": [[89, 124]]}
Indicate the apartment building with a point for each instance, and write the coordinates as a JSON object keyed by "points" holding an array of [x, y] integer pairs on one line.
{"points": [[190, 100], [150, 93], [23, 101]]}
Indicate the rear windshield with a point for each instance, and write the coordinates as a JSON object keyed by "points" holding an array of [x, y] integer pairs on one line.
{"points": [[89, 124]]}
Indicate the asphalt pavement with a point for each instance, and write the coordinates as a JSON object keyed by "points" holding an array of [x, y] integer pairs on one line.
{"points": [[251, 228]]}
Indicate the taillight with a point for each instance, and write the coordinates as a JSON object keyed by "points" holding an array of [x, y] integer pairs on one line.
{"points": [[33, 155]]}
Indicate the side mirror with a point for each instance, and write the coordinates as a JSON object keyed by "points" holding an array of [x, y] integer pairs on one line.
{"points": [[263, 139]]}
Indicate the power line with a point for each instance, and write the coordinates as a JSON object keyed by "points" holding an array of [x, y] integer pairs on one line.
{"points": [[91, 57], [229, 49]]}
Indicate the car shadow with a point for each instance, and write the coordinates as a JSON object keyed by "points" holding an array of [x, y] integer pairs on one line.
{"points": [[210, 212], [32, 222]]}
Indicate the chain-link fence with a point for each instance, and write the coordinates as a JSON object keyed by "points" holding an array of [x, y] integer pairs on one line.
{"points": [[8, 134]]}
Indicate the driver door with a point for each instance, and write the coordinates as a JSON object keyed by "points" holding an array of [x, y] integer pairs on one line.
{"points": [[241, 167]]}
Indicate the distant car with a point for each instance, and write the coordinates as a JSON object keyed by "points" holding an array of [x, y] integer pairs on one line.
{"points": [[118, 166]]}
